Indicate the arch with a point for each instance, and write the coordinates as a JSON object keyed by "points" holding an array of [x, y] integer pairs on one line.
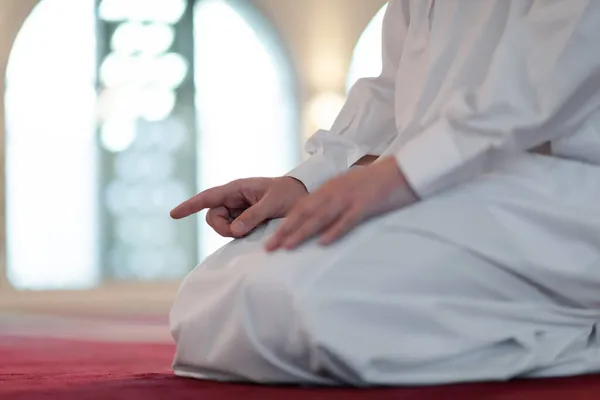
{"points": [[50, 150], [245, 100], [56, 202], [366, 58]]}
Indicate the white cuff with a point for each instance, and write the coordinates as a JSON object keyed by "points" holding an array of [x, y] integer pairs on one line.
{"points": [[316, 170], [433, 161]]}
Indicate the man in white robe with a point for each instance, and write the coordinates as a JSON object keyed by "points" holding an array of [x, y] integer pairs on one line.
{"points": [[469, 250]]}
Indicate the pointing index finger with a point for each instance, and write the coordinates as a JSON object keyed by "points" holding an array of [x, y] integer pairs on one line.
{"points": [[211, 198]]}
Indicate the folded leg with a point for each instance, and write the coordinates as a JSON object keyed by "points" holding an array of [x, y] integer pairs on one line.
{"points": [[495, 279]]}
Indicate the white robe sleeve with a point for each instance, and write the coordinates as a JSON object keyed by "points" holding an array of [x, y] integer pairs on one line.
{"points": [[366, 124], [543, 83]]}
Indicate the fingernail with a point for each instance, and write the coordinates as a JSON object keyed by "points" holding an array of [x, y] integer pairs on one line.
{"points": [[238, 228], [271, 244]]}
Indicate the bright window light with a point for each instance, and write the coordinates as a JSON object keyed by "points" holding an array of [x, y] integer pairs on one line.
{"points": [[151, 38], [167, 11], [366, 59], [50, 149], [246, 111]]}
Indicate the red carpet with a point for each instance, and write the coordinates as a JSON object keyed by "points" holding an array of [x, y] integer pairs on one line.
{"points": [[39, 368]]}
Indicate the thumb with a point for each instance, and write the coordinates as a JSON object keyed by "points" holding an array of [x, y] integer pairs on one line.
{"points": [[252, 217]]}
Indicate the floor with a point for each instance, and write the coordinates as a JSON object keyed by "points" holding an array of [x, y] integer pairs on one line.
{"points": [[45, 357]]}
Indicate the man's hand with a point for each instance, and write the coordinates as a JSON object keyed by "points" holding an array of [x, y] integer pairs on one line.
{"points": [[342, 203], [238, 207]]}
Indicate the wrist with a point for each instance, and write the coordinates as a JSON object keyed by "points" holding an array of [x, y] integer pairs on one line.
{"points": [[365, 161], [398, 180], [297, 183]]}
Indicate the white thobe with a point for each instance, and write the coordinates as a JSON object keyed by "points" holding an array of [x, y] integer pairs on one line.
{"points": [[466, 84], [494, 274]]}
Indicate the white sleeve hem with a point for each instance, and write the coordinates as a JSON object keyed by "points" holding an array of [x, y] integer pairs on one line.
{"points": [[315, 171], [432, 162]]}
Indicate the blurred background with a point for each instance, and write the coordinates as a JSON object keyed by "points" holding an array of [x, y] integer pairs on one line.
{"points": [[114, 111]]}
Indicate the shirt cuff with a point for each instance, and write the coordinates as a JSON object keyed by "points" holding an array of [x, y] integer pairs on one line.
{"points": [[317, 170], [433, 161]]}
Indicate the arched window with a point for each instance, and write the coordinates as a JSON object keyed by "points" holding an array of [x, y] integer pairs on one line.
{"points": [[118, 109], [366, 58], [245, 100], [51, 157]]}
